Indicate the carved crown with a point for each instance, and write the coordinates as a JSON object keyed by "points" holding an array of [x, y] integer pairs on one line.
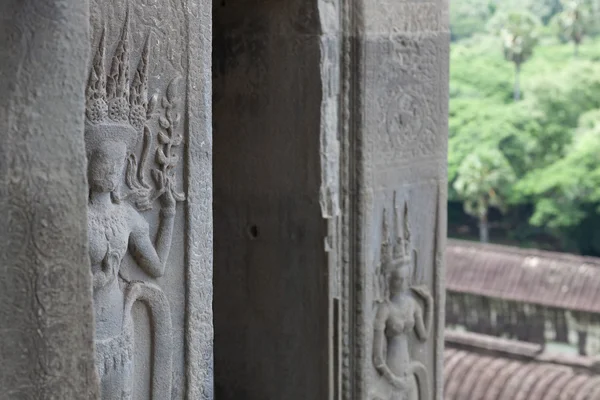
{"points": [[114, 105], [397, 252]]}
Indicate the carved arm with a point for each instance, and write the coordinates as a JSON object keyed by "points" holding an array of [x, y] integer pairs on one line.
{"points": [[379, 360], [423, 324], [379, 357], [378, 354], [153, 257]]}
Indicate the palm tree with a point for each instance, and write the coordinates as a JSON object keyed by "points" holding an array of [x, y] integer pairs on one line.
{"points": [[574, 21], [481, 180], [519, 32]]}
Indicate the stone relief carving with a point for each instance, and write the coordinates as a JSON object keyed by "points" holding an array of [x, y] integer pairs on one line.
{"points": [[118, 115], [404, 306], [405, 116], [407, 111]]}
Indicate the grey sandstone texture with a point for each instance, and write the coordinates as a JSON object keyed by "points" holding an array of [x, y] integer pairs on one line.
{"points": [[271, 265], [330, 121], [330, 124], [148, 146], [46, 314], [106, 186], [401, 148]]}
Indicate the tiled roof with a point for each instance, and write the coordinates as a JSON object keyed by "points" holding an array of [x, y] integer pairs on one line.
{"points": [[532, 276], [470, 374], [492, 344]]}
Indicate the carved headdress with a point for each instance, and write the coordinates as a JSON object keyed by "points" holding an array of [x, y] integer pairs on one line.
{"points": [[398, 252], [395, 252], [117, 109]]}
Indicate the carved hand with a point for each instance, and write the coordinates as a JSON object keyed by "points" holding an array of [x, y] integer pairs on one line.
{"points": [[423, 292], [110, 268], [110, 263], [400, 383], [167, 199]]}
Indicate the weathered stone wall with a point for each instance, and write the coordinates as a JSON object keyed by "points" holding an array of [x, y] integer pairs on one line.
{"points": [[46, 316], [106, 283], [330, 179], [329, 118], [397, 90], [275, 126]]}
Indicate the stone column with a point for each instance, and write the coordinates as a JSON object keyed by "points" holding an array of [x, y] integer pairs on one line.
{"points": [[561, 325], [276, 82], [149, 147], [106, 282], [395, 145], [330, 197], [46, 315], [276, 179]]}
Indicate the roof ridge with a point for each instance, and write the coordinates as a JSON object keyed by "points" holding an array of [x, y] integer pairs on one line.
{"points": [[515, 349], [527, 252]]}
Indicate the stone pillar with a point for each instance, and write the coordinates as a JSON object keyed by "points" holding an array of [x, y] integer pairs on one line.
{"points": [[106, 283], [395, 144], [561, 325], [46, 315], [276, 187], [582, 342], [149, 148], [330, 122]]}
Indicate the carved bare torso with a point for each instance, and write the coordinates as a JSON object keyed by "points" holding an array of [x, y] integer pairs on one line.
{"points": [[400, 323], [111, 229], [108, 228], [396, 320], [108, 232]]}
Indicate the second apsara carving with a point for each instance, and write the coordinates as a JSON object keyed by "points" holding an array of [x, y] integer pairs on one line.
{"points": [[405, 307]]}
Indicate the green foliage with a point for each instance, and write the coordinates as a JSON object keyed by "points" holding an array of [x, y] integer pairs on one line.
{"points": [[477, 70], [544, 10], [483, 179], [513, 129], [468, 17], [519, 32], [575, 21], [547, 145], [563, 95], [565, 187], [551, 56]]}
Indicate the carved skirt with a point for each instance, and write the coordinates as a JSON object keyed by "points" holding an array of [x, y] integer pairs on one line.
{"points": [[411, 394], [386, 391], [114, 363]]}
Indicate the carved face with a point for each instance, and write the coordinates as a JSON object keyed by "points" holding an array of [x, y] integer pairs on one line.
{"points": [[105, 167], [400, 279]]}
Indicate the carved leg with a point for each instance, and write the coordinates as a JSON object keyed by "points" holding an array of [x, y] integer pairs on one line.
{"points": [[158, 305], [410, 393]]}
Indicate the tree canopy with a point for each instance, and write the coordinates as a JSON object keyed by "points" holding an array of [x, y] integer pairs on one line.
{"points": [[547, 145]]}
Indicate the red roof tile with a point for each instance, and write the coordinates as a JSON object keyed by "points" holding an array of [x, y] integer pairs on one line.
{"points": [[472, 372], [532, 276]]}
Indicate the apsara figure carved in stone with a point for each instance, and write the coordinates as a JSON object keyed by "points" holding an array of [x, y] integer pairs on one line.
{"points": [[117, 113], [399, 314]]}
